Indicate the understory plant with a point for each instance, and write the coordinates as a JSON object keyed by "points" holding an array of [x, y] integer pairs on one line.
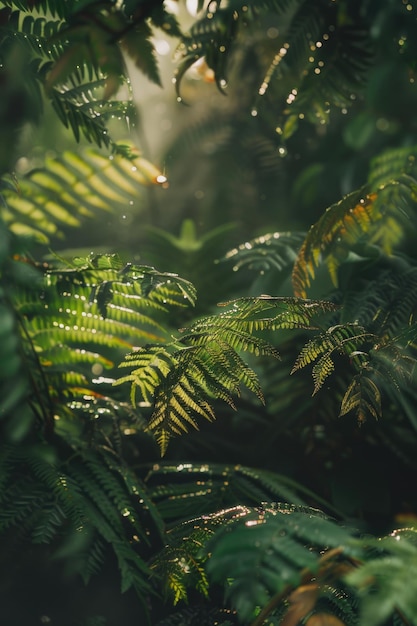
{"points": [[214, 422]]}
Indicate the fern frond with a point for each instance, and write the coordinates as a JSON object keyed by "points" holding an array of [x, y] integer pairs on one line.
{"points": [[71, 187], [209, 37], [55, 7], [278, 545], [362, 396], [331, 67], [87, 114], [185, 490], [394, 363], [264, 313], [346, 339], [137, 42], [181, 564], [267, 252], [183, 383], [179, 397], [386, 581], [86, 315], [336, 603], [381, 213], [179, 569], [195, 375], [209, 365], [151, 364], [217, 330], [317, 59], [341, 224], [391, 165], [35, 33]]}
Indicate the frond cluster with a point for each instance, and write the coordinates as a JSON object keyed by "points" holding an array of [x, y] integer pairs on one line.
{"points": [[380, 362], [86, 316], [206, 364], [254, 553], [312, 58], [76, 58], [84, 507]]}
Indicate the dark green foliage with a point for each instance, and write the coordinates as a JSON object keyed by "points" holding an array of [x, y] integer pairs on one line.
{"points": [[82, 506], [279, 547], [77, 57], [395, 562], [201, 615], [186, 489]]}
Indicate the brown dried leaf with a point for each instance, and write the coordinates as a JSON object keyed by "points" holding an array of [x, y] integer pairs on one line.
{"points": [[302, 601]]}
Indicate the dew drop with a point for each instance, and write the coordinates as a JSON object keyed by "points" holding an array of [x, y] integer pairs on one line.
{"points": [[272, 32]]}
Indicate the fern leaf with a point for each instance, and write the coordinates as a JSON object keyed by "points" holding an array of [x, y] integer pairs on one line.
{"points": [[321, 370], [182, 382], [221, 329], [345, 338], [151, 365], [210, 37], [140, 49], [267, 313], [175, 401], [381, 214], [274, 545], [271, 251], [69, 186], [87, 41], [35, 33], [341, 224], [362, 396], [386, 582], [180, 570], [84, 110], [330, 72], [56, 8], [182, 491], [210, 366], [391, 165]]}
